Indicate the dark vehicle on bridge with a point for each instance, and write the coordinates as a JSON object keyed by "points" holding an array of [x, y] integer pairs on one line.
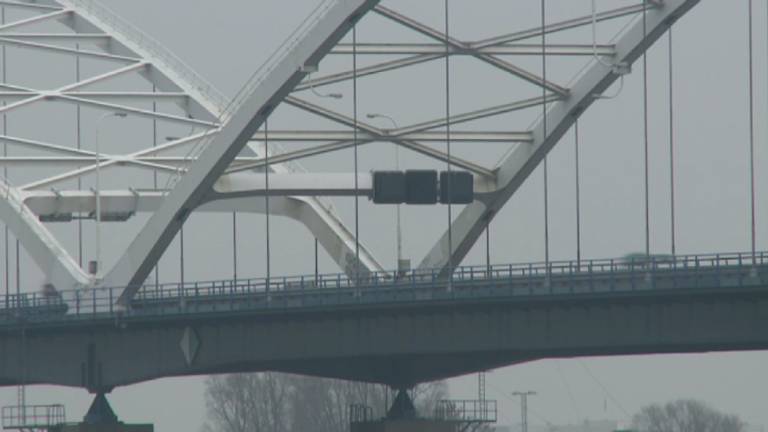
{"points": [[637, 261]]}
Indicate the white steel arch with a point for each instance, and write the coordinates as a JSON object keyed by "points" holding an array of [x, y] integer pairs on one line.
{"points": [[512, 172], [217, 175], [173, 81]]}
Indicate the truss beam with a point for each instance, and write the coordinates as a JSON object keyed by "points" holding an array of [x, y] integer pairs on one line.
{"points": [[170, 74], [479, 114], [497, 50], [61, 270], [95, 38], [40, 6], [382, 136], [96, 26], [521, 162], [563, 25], [456, 44], [366, 71], [59, 49], [395, 137], [57, 14], [478, 45], [249, 113]]}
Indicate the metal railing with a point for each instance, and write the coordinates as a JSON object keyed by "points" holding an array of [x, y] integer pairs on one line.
{"points": [[33, 417], [161, 56], [359, 413], [469, 282], [467, 411]]}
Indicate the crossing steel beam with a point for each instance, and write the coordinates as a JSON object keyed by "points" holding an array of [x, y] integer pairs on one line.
{"points": [[249, 111], [520, 163], [498, 50], [478, 46], [173, 81]]}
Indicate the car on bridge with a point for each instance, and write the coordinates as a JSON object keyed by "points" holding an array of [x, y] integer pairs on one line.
{"points": [[642, 261]]}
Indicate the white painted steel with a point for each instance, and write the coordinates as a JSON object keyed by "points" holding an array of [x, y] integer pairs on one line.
{"points": [[519, 164], [242, 119], [93, 23], [219, 173]]}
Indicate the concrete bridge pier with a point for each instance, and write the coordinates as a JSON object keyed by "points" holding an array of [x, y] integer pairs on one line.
{"points": [[101, 418], [402, 416]]}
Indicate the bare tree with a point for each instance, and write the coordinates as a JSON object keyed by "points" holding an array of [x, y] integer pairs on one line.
{"points": [[426, 396], [267, 402], [686, 416], [248, 402]]}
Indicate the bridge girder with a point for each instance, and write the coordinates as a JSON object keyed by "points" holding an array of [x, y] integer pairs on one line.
{"points": [[413, 333]]}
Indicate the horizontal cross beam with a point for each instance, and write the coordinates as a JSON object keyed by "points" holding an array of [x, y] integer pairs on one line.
{"points": [[433, 48]]}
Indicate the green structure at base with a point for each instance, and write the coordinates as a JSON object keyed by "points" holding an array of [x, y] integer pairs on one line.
{"points": [[407, 425], [114, 427]]}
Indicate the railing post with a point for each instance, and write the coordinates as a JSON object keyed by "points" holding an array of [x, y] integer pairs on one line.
{"points": [[717, 268], [696, 271], [530, 279]]}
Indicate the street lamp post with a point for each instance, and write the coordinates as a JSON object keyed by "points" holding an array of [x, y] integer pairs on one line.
{"points": [[96, 267], [524, 407], [397, 167], [325, 95]]}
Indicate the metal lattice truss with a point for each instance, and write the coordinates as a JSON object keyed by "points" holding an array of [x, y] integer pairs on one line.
{"points": [[215, 166]]}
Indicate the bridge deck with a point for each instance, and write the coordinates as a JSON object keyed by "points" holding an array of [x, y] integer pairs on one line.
{"points": [[470, 283]]}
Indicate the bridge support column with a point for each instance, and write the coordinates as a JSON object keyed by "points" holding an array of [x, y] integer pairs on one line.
{"points": [[403, 417], [402, 407], [101, 418]]}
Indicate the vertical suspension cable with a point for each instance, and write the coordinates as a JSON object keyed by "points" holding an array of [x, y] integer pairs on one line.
{"points": [[354, 115], [752, 135], [671, 147], [544, 120], [154, 173], [645, 138], [5, 171], [266, 203], [78, 140], [578, 193], [18, 243], [234, 246], [488, 249], [181, 254], [450, 262], [18, 269]]}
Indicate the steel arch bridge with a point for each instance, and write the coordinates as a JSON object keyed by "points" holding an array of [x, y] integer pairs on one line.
{"points": [[202, 152], [216, 165]]}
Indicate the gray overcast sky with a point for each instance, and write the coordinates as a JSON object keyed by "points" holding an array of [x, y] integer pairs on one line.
{"points": [[226, 40]]}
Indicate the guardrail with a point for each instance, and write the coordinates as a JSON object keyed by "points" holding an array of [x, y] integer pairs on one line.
{"points": [[467, 411], [359, 413], [33, 417], [470, 282]]}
